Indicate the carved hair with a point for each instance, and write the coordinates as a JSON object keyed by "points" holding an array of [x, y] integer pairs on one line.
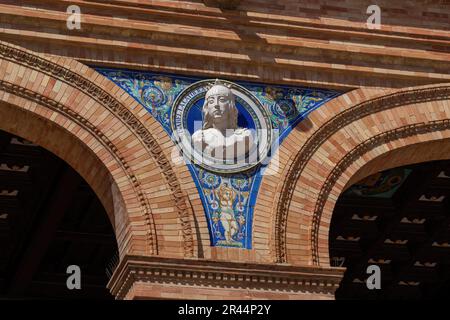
{"points": [[223, 191], [231, 113]]}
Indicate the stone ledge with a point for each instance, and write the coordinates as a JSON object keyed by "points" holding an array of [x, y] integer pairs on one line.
{"points": [[207, 274], [223, 4]]}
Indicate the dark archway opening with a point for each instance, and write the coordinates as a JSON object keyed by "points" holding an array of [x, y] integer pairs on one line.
{"points": [[399, 220], [49, 219]]}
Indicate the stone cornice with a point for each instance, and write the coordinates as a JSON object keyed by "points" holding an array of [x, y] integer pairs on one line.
{"points": [[184, 9], [223, 4], [221, 274], [172, 36]]}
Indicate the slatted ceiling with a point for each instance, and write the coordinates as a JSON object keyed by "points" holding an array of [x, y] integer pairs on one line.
{"points": [[11, 180], [76, 212], [83, 236], [94, 223], [53, 287], [23, 144], [404, 292], [7, 202], [422, 274], [60, 278], [5, 139], [91, 264], [103, 254], [51, 262], [32, 200], [395, 221], [15, 154]]}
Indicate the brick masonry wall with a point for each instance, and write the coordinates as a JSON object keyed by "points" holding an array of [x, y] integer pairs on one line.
{"points": [[398, 72], [314, 43]]}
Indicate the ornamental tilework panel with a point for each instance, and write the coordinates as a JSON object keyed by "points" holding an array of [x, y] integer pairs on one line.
{"points": [[379, 185], [228, 199]]}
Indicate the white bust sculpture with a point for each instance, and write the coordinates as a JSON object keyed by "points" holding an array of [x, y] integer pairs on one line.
{"points": [[220, 136]]}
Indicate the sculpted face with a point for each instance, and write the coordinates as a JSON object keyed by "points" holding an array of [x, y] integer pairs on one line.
{"points": [[219, 108]]}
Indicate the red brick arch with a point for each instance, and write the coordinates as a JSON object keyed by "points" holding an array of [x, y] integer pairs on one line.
{"points": [[106, 136], [358, 133]]}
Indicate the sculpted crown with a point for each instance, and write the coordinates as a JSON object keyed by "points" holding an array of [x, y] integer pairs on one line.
{"points": [[217, 83]]}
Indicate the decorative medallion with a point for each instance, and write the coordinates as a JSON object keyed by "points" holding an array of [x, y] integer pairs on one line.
{"points": [[221, 126]]}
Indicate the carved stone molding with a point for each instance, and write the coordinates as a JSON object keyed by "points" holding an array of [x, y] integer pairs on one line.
{"points": [[220, 274], [77, 81], [88, 126], [320, 136], [223, 4], [355, 154]]}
